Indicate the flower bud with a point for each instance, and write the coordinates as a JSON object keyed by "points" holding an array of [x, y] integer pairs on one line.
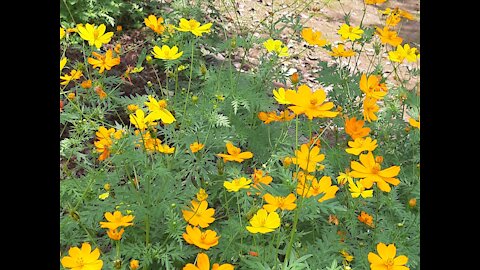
{"points": [[412, 202], [148, 58], [71, 96]]}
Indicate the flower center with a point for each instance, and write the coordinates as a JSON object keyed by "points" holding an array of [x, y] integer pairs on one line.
{"points": [[79, 261], [389, 263], [313, 101], [376, 168], [203, 237], [95, 34]]}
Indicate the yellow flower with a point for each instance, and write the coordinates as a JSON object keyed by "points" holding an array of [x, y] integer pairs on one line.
{"points": [[195, 147], [374, 2], [280, 95], [264, 222], [134, 264], [388, 37], [164, 148], [95, 36], [82, 259], [165, 53], [371, 86], [104, 61], [237, 184], [275, 202], [203, 263], [199, 215], [155, 24], [193, 26], [361, 144], [370, 171], [235, 154], [355, 128], [394, 16], [350, 32], [359, 190], [116, 220], [366, 218], [71, 96], [202, 195], [63, 61], [62, 33], [105, 195], [275, 45], [312, 104], [307, 158], [342, 178], [370, 107], [74, 75], [340, 51], [158, 111], [313, 37], [386, 258], [403, 53], [414, 123], [346, 256], [140, 121], [115, 234], [204, 240], [309, 186]]}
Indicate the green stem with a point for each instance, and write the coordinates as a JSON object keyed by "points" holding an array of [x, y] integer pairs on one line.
{"points": [[117, 245], [189, 79], [239, 218]]}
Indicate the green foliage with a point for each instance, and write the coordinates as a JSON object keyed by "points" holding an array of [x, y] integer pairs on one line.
{"points": [[215, 102]]}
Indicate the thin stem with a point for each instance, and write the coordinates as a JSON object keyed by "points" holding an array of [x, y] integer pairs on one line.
{"points": [[189, 79]]}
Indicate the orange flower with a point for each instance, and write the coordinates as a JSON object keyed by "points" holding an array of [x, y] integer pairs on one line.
{"points": [[155, 24], [366, 218], [260, 178], [235, 154], [106, 61], [199, 215], [276, 202], [313, 37], [371, 172], [374, 2], [370, 107], [412, 202], [116, 219], [388, 37], [309, 186], [203, 263], [307, 158], [386, 258], [294, 78], [310, 103], [86, 84], [100, 92], [195, 147], [371, 86], [115, 234], [355, 128], [204, 240], [340, 51]]}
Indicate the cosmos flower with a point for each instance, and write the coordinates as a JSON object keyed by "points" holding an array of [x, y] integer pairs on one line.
{"points": [[264, 222]]}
